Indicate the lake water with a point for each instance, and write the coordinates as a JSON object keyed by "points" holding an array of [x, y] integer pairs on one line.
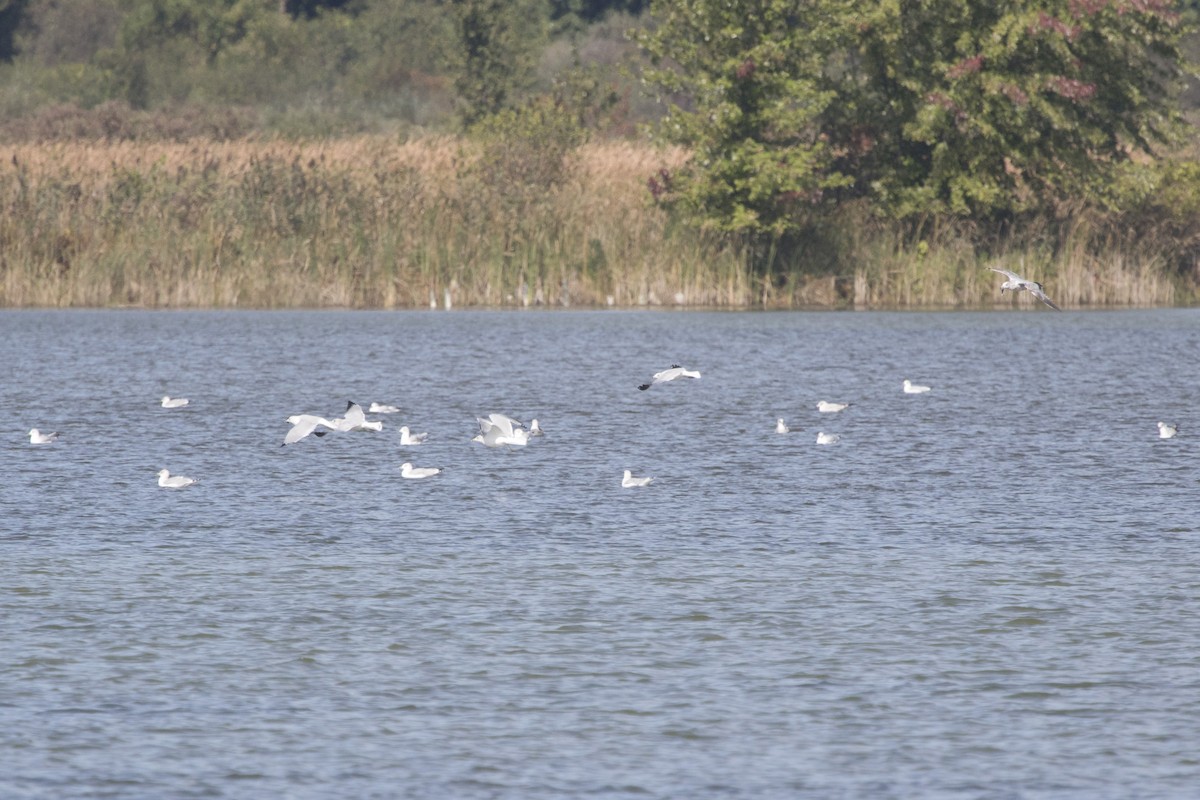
{"points": [[988, 591]]}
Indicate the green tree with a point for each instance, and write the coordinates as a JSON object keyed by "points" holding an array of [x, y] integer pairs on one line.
{"points": [[499, 41], [923, 106], [750, 95]]}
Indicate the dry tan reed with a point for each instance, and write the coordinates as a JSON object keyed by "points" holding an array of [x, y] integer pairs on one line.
{"points": [[373, 222]]}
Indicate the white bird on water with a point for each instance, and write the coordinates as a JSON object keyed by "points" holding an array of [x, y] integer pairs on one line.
{"points": [[674, 373], [380, 408], [781, 426], [407, 470], [169, 481], [1016, 283], [408, 438], [534, 428], [37, 437], [174, 402], [826, 407], [912, 388], [827, 438], [1166, 431], [630, 482]]}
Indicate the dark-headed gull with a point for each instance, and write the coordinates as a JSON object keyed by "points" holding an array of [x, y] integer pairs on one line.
{"points": [[1016, 283], [1166, 431], [407, 470], [671, 374], [169, 481], [630, 482], [37, 437], [174, 402], [912, 388]]}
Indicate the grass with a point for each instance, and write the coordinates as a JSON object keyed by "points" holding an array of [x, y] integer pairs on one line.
{"points": [[373, 222]]}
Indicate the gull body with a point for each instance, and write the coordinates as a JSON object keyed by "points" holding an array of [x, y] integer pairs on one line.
{"points": [[408, 438], [37, 437], [355, 420], [912, 388], [1166, 431], [826, 407], [380, 408], [534, 428], [630, 482], [174, 402], [674, 373], [781, 426], [1016, 283], [827, 438], [498, 430], [407, 470], [304, 424], [169, 481]]}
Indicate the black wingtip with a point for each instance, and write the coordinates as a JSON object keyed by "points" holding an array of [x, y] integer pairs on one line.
{"points": [[319, 434], [644, 386]]}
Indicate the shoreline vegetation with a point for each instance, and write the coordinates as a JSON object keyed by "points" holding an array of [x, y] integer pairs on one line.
{"points": [[374, 222]]}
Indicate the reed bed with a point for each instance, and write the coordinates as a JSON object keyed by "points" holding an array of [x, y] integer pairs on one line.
{"points": [[372, 222]]}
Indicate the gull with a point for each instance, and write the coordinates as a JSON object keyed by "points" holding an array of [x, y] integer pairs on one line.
{"points": [[1166, 431], [827, 438], [912, 388], [534, 428], [409, 438], [355, 420], [303, 425], [169, 481], [630, 482], [826, 407], [37, 437], [380, 408], [407, 470], [1016, 283], [498, 430], [781, 426], [174, 402], [671, 374]]}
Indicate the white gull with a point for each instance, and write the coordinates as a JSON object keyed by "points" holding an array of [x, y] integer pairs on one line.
{"points": [[380, 408], [407, 470], [408, 438], [781, 426], [174, 402], [826, 407], [37, 437], [169, 481], [1166, 431], [912, 388], [827, 438], [667, 375], [1016, 283], [630, 482]]}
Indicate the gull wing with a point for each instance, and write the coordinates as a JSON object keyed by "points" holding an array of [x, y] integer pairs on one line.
{"points": [[1036, 290], [1011, 275]]}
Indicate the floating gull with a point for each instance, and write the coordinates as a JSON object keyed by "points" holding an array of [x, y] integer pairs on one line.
{"points": [[169, 481], [630, 482], [355, 420], [174, 402], [409, 438], [826, 407], [827, 438], [671, 374], [407, 470], [37, 437], [1166, 431], [498, 430], [534, 428], [303, 425], [380, 408], [912, 388], [781, 426], [1016, 283]]}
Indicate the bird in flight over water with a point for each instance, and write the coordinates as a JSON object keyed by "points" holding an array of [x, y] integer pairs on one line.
{"points": [[1016, 283]]}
